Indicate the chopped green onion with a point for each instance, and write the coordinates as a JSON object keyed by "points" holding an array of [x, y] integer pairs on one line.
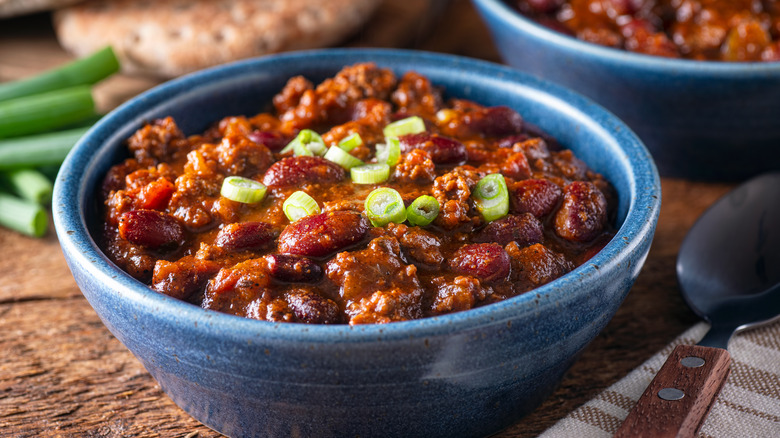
{"points": [[409, 125], [29, 184], [422, 211], [244, 190], [385, 205], [350, 142], [492, 197], [307, 142], [23, 216], [38, 150], [342, 158], [302, 150], [84, 71], [46, 111], [317, 148], [299, 205], [390, 152], [370, 173]]}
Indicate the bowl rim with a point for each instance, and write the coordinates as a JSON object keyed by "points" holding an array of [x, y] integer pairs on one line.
{"points": [[501, 11], [70, 194]]}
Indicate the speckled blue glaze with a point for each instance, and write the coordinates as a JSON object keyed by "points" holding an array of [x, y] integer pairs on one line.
{"points": [[700, 120], [466, 374]]}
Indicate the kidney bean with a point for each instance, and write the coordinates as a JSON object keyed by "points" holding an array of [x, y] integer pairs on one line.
{"points": [[312, 308], [293, 268], [151, 228], [536, 196], [296, 170], [270, 139], [443, 150], [242, 236], [583, 213], [497, 121], [485, 261], [323, 234], [523, 228]]}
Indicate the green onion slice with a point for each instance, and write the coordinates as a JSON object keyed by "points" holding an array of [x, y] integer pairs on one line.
{"points": [[409, 125], [422, 211], [342, 158], [317, 148], [385, 205], [492, 197], [23, 216], [350, 142], [307, 142], [301, 149], [389, 152], [299, 205], [245, 190], [370, 173]]}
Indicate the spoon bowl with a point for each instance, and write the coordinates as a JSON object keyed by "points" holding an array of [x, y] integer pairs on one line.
{"points": [[729, 263]]}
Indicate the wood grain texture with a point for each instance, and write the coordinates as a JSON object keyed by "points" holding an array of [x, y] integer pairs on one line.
{"points": [[62, 374], [655, 417]]}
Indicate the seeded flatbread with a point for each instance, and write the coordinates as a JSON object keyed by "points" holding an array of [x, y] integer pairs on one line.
{"points": [[172, 37], [10, 8]]}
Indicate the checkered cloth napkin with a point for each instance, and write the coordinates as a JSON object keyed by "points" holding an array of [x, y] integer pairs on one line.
{"points": [[748, 406]]}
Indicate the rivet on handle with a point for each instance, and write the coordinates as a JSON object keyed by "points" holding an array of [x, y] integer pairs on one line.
{"points": [[692, 362], [671, 394]]}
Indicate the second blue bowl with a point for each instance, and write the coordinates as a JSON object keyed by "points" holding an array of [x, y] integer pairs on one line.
{"points": [[700, 120]]}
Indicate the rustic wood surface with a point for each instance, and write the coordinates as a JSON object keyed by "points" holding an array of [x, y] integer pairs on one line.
{"points": [[62, 374]]}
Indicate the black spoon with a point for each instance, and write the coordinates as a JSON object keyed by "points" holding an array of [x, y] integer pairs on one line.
{"points": [[729, 272]]}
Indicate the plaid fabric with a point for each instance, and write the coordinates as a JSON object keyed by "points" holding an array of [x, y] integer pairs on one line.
{"points": [[748, 406]]}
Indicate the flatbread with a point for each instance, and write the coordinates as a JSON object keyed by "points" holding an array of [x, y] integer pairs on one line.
{"points": [[171, 37], [10, 8]]}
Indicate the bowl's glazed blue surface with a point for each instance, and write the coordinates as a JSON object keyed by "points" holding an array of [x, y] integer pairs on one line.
{"points": [[699, 119], [465, 374]]}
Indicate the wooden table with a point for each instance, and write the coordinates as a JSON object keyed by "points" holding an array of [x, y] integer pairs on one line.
{"points": [[63, 374]]}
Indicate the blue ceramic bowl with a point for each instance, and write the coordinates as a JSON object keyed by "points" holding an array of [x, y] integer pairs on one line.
{"points": [[465, 374], [700, 120]]}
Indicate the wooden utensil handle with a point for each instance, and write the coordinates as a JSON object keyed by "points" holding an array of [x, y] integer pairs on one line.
{"points": [[680, 396]]}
